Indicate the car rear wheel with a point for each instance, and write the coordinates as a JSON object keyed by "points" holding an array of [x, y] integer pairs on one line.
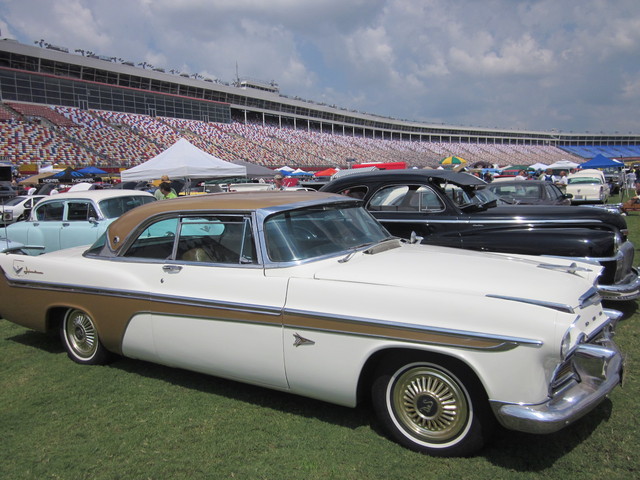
{"points": [[80, 338], [430, 407]]}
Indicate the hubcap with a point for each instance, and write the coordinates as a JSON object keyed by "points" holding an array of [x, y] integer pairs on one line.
{"points": [[430, 404], [81, 334]]}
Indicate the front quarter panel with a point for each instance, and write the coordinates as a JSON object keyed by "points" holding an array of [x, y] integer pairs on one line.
{"points": [[348, 323]]}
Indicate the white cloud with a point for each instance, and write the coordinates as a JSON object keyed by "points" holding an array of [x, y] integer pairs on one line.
{"points": [[536, 64]]}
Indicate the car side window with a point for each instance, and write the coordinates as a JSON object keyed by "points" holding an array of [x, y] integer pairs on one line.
{"points": [[156, 241], [216, 239], [50, 212], [201, 239], [553, 192], [80, 211], [355, 192], [406, 198]]}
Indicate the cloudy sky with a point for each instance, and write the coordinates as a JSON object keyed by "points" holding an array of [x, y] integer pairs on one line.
{"points": [[569, 65]]}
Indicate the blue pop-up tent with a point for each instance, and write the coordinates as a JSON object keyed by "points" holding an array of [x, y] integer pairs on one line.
{"points": [[600, 161]]}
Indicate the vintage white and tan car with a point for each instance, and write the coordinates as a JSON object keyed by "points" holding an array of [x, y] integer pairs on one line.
{"points": [[307, 293]]}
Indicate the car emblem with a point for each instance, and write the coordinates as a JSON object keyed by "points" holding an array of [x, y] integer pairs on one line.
{"points": [[299, 341]]}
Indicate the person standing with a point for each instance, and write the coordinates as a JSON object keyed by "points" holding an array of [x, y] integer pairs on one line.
{"points": [[158, 193], [166, 191], [277, 183]]}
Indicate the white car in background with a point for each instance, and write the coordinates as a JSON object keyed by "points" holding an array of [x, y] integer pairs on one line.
{"points": [[18, 208], [588, 186]]}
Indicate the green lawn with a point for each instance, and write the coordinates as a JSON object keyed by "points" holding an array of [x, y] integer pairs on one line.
{"points": [[135, 420]]}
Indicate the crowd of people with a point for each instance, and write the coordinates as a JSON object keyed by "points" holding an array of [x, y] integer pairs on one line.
{"points": [[71, 136]]}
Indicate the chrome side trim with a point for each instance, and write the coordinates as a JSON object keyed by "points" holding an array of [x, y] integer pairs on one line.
{"points": [[503, 342], [506, 342], [561, 307], [145, 296], [477, 221]]}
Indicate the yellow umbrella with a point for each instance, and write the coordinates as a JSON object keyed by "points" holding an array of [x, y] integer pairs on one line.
{"points": [[453, 161]]}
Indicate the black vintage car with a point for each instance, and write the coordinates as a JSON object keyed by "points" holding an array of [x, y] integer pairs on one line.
{"points": [[456, 210]]}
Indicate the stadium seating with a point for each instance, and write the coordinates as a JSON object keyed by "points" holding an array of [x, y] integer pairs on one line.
{"points": [[74, 137]]}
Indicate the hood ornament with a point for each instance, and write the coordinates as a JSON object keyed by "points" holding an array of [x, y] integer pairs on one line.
{"points": [[572, 269]]}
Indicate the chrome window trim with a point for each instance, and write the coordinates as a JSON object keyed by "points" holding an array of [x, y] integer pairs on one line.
{"points": [[409, 185]]}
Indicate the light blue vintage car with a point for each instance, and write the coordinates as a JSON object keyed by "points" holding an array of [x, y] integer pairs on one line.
{"points": [[69, 220]]}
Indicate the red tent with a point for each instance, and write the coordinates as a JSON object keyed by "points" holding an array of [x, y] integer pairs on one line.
{"points": [[325, 173]]}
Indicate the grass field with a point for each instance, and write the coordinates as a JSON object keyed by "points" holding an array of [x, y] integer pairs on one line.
{"points": [[135, 420]]}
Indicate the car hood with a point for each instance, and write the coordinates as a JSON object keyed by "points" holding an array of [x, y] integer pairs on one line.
{"points": [[447, 270]]}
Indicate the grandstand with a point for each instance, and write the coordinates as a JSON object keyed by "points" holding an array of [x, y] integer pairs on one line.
{"points": [[68, 109]]}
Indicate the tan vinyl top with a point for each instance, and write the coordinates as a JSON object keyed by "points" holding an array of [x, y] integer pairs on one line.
{"points": [[240, 201]]}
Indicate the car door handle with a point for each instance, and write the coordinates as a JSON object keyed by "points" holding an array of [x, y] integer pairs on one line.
{"points": [[171, 268]]}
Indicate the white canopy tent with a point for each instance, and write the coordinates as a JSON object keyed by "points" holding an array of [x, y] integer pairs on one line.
{"points": [[563, 164], [183, 160], [539, 166]]}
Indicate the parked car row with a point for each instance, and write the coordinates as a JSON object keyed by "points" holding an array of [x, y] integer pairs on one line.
{"points": [[307, 293], [459, 210], [18, 208]]}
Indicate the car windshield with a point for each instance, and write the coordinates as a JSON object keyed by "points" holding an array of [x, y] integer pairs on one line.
{"points": [[471, 198], [520, 190], [318, 231], [114, 207]]}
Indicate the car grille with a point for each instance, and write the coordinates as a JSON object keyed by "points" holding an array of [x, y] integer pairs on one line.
{"points": [[564, 376], [567, 373]]}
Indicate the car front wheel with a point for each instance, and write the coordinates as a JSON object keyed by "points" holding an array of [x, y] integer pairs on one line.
{"points": [[80, 338], [432, 408]]}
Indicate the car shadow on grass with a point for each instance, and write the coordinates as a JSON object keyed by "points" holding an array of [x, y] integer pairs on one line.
{"points": [[260, 396], [41, 341], [507, 449], [525, 452]]}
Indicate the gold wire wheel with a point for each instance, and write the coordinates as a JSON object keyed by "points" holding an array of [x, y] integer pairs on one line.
{"points": [[430, 405], [81, 334]]}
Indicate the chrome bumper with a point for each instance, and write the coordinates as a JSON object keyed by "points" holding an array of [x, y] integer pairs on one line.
{"points": [[599, 368], [627, 289]]}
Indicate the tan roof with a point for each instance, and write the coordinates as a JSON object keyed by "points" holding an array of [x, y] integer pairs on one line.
{"points": [[240, 201]]}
